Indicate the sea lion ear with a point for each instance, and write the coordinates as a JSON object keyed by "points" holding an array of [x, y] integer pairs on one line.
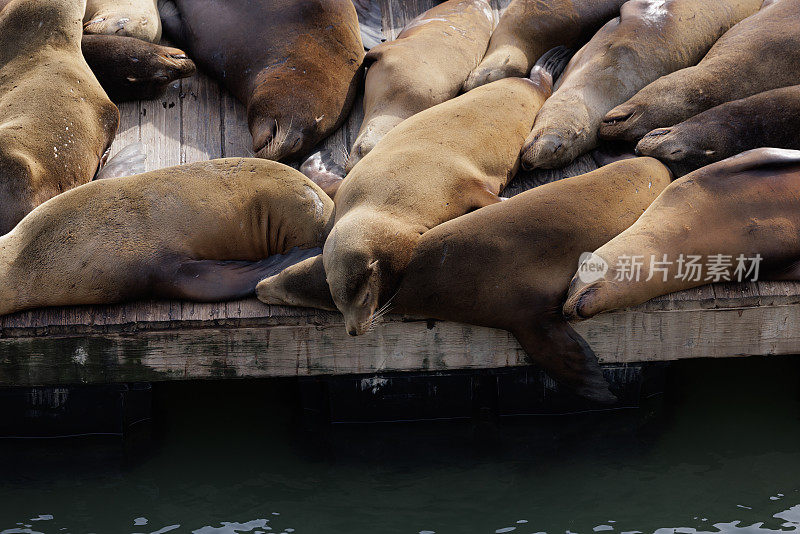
{"points": [[373, 266]]}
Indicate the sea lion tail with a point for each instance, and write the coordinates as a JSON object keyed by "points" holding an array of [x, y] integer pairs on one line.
{"points": [[326, 169], [551, 65], [567, 358], [127, 162], [370, 21]]}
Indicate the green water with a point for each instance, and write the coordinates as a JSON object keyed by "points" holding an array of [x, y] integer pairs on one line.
{"points": [[720, 454]]}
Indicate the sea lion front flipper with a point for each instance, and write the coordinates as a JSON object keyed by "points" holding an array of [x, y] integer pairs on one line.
{"points": [[303, 285], [127, 162], [370, 21], [214, 280], [567, 358]]}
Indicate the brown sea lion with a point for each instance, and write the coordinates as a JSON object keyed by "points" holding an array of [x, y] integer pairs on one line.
{"points": [[472, 269], [441, 163], [649, 39], [131, 18], [56, 122], [426, 65], [529, 28], [205, 231], [768, 119], [758, 54], [132, 69], [293, 63], [708, 226]]}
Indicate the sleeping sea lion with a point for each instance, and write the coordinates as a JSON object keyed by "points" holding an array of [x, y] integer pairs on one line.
{"points": [[529, 28], [766, 119], [441, 163], [56, 122], [731, 220], [132, 18], [426, 65], [132, 69], [758, 54], [293, 63], [508, 265], [649, 39], [205, 231]]}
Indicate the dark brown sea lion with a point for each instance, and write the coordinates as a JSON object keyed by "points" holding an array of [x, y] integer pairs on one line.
{"points": [[719, 218], [508, 265], [204, 231], [131, 18], [426, 65], [768, 119], [132, 69], [649, 39], [293, 63], [529, 28], [56, 122], [441, 163], [758, 54]]}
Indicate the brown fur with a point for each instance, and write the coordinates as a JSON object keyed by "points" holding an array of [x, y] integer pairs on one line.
{"points": [[56, 121], [766, 119], [651, 38], [196, 231], [748, 204], [132, 69], [758, 54], [131, 18], [426, 65], [293, 63], [529, 28], [508, 265]]}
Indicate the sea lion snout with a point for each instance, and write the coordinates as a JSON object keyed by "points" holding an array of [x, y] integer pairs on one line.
{"points": [[617, 124], [542, 151]]}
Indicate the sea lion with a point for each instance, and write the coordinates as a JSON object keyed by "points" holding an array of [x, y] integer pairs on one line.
{"points": [[472, 269], [56, 122], [529, 28], [436, 165], [205, 231], [426, 65], [132, 69], [718, 218], [649, 39], [768, 119], [293, 63], [758, 54], [132, 18]]}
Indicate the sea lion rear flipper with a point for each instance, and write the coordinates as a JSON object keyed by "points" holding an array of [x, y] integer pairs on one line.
{"points": [[127, 162], [551, 65], [214, 280], [323, 169], [370, 22], [303, 285], [567, 358], [172, 21]]}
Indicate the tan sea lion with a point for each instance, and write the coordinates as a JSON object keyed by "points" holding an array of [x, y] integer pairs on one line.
{"points": [[758, 54], [132, 69], [131, 18], [293, 63], [441, 163], [719, 218], [508, 265], [529, 28], [204, 231], [56, 122], [426, 65], [649, 39], [767, 119]]}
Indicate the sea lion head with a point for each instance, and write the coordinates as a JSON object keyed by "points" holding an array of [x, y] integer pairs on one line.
{"points": [[679, 149], [145, 25], [363, 258]]}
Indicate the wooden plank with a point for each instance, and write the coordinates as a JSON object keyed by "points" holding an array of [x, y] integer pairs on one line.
{"points": [[236, 138], [161, 128], [201, 121]]}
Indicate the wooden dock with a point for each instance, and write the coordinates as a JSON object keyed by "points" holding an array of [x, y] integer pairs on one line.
{"points": [[153, 341]]}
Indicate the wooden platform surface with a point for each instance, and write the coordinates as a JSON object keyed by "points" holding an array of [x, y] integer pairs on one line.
{"points": [[196, 121]]}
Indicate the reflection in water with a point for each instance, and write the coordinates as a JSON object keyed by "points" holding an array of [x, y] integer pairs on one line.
{"points": [[722, 454]]}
